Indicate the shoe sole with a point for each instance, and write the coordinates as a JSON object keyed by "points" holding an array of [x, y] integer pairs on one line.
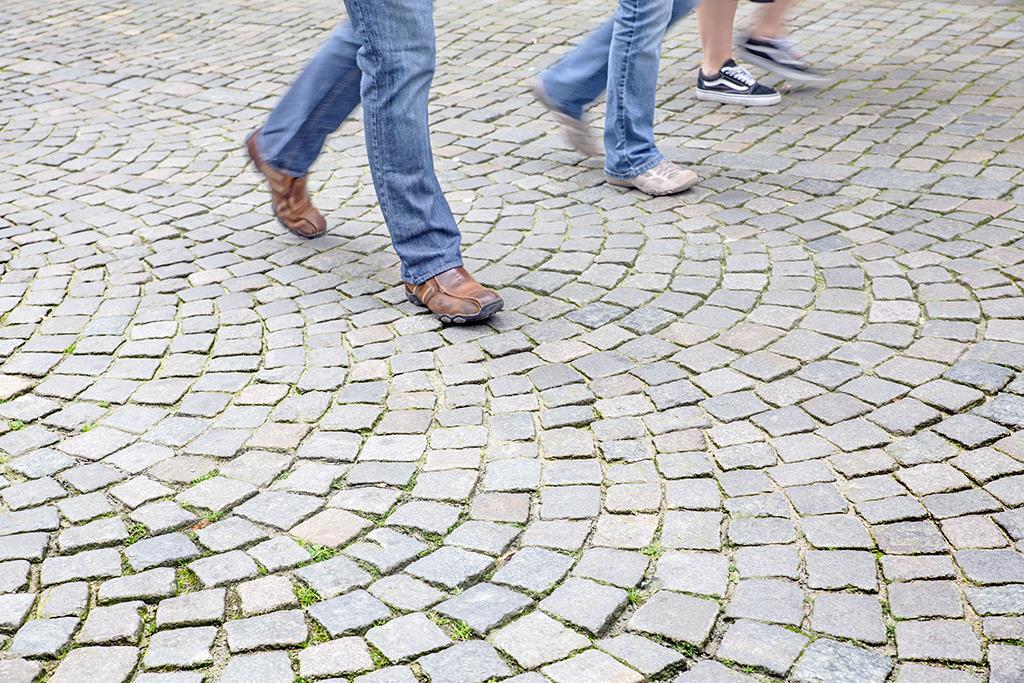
{"points": [[746, 100], [485, 312], [273, 209], [625, 182], [284, 225], [788, 74]]}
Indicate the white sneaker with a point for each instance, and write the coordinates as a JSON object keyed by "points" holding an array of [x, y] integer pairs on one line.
{"points": [[665, 178], [577, 133]]}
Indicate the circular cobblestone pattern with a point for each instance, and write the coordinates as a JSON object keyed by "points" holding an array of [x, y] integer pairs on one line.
{"points": [[773, 428]]}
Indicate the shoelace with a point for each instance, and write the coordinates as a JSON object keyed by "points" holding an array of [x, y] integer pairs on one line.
{"points": [[740, 74], [666, 170]]}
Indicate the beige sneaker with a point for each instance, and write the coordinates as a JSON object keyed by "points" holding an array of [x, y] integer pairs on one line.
{"points": [[577, 133], [665, 178]]}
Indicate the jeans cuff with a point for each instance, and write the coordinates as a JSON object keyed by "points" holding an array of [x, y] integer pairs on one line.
{"points": [[431, 271], [273, 163], [636, 170], [549, 100]]}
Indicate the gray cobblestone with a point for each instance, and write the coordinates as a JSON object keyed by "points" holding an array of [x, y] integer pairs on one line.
{"points": [[119, 623], [830, 660], [858, 617], [537, 639], [268, 666], [277, 629], [679, 618], [940, 639], [407, 637], [88, 664], [180, 648], [190, 609], [148, 585], [772, 648], [334, 576], [43, 637], [335, 658]]}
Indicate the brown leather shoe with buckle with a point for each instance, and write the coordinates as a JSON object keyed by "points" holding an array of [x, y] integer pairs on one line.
{"points": [[289, 199], [455, 297]]}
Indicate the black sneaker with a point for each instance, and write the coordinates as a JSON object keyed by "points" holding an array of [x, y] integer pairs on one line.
{"points": [[734, 85], [779, 56]]}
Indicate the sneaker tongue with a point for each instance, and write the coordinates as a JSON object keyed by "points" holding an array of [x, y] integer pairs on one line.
{"points": [[730, 62]]}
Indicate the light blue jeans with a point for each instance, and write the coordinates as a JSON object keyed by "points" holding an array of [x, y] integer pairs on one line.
{"points": [[621, 55], [384, 58]]}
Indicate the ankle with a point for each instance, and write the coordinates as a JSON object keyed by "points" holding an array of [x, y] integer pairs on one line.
{"points": [[710, 70], [765, 33]]}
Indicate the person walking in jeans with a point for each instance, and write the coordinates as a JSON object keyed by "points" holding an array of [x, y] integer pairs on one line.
{"points": [[621, 55], [382, 57], [579, 78]]}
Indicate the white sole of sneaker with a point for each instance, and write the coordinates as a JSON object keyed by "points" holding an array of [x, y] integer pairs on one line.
{"points": [[745, 100], [789, 74]]}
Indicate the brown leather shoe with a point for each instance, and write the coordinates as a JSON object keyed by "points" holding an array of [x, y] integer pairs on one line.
{"points": [[291, 203], [456, 297]]}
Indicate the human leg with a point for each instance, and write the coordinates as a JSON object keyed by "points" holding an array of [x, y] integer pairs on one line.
{"points": [[396, 57], [720, 78], [770, 21], [322, 97], [767, 46], [572, 83], [637, 31]]}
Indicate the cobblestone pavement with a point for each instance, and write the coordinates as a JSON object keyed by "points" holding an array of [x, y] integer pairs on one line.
{"points": [[772, 428]]}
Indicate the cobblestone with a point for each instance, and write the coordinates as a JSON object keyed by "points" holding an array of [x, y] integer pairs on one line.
{"points": [[537, 639], [88, 664], [200, 607], [268, 666], [938, 640], [335, 658], [277, 629], [768, 647], [43, 637], [774, 422], [180, 648], [407, 637], [830, 660], [472, 662], [114, 624]]}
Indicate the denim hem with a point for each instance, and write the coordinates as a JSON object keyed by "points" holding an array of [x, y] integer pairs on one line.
{"points": [[272, 163], [435, 270], [551, 102], [285, 171], [637, 170]]}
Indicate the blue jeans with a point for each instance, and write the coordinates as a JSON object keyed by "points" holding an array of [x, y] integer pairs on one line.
{"points": [[384, 58], [621, 55]]}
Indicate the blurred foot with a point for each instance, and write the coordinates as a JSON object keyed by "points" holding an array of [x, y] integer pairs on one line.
{"points": [[780, 56], [576, 132], [288, 196]]}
